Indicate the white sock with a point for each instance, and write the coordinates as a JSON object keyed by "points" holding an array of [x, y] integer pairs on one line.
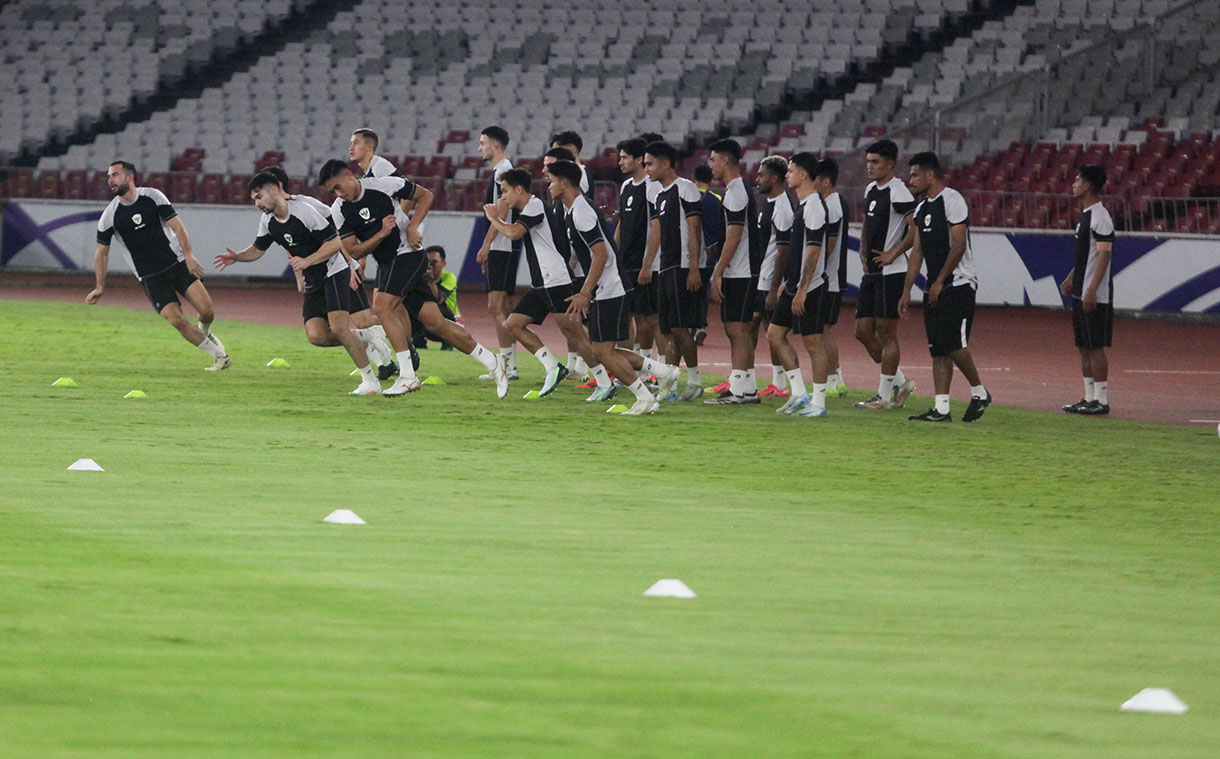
{"points": [[751, 387], [1101, 392], [819, 395], [204, 328], [378, 330], [601, 375], [573, 363], [900, 379], [212, 347], [484, 357], [978, 391], [510, 359], [548, 361], [886, 388], [635, 348], [692, 376], [942, 404], [406, 370], [737, 381], [836, 379], [778, 377], [1089, 389], [366, 335], [366, 375], [796, 383], [640, 390]]}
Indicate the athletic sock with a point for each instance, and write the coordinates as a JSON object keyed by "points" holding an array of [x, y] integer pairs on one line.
{"points": [[978, 391], [900, 379], [778, 377], [378, 330], [737, 381], [219, 345], [601, 375], [1090, 389], [796, 382], [366, 375], [751, 382], [206, 329], [1101, 392], [510, 359], [652, 366], [692, 376], [640, 390], [819, 395], [366, 335], [548, 361], [942, 404], [836, 379], [484, 357], [573, 363], [211, 347], [406, 369], [635, 348], [886, 388]]}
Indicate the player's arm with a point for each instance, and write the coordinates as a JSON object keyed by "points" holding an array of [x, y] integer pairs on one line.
{"points": [[813, 251], [781, 265], [650, 251], [422, 200], [732, 240], [694, 244], [597, 264], [230, 257], [1105, 250], [184, 240], [908, 239], [514, 231], [300, 280], [101, 260], [361, 249], [864, 251], [492, 232], [322, 254], [914, 264], [957, 248]]}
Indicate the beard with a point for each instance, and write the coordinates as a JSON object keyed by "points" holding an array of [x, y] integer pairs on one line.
{"points": [[122, 189]]}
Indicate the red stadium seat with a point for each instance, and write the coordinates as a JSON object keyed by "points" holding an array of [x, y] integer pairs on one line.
{"points": [[96, 188], [235, 190], [74, 185], [182, 187], [47, 184]]}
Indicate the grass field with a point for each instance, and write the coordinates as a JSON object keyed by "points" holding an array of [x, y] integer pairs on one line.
{"points": [[867, 587]]}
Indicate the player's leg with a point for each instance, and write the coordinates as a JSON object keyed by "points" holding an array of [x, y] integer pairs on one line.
{"points": [[456, 335], [533, 308], [201, 300], [339, 323], [318, 332], [197, 295], [819, 369], [172, 313], [367, 327], [501, 284]]}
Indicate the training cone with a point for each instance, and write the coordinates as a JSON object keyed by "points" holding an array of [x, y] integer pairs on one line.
{"points": [[617, 408], [64, 382], [85, 465], [343, 516], [434, 381], [278, 362], [1155, 701], [531, 395], [136, 394], [670, 589]]}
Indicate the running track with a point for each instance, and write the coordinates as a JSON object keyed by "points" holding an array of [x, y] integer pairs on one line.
{"points": [[1159, 371]]}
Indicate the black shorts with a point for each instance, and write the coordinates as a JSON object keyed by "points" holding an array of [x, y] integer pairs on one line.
{"points": [[502, 270], [760, 304], [831, 305], [334, 294], [879, 296], [706, 276], [609, 320], [1095, 329], [948, 323], [359, 299], [808, 324], [162, 289], [739, 300], [678, 307], [642, 300], [406, 276], [538, 302]]}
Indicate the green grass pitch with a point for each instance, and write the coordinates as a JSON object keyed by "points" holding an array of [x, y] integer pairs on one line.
{"points": [[867, 587]]}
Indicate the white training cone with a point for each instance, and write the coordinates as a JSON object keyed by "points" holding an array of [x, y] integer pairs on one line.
{"points": [[343, 516], [1156, 701], [85, 465], [670, 589]]}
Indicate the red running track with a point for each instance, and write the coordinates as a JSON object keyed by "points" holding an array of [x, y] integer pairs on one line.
{"points": [[1160, 371]]}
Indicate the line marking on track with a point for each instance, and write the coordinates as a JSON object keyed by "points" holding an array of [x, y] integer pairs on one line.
{"points": [[1170, 371], [1205, 421]]}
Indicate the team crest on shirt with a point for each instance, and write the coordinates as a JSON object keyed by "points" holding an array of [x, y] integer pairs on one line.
{"points": [[288, 238], [872, 206], [927, 220], [365, 214], [630, 198], [137, 219], [661, 208]]}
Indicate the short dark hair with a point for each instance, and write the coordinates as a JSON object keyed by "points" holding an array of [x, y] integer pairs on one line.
{"points": [[1094, 175], [651, 137], [703, 174], [776, 164], [829, 168], [438, 249], [884, 148], [331, 169], [566, 170], [632, 147], [261, 180], [560, 154], [662, 150], [497, 133], [518, 178], [369, 135], [128, 166], [568, 137], [927, 161], [806, 161], [278, 172], [731, 148]]}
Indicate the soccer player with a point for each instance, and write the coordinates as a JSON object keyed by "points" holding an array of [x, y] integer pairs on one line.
{"points": [[631, 239], [498, 255], [363, 150], [159, 251], [836, 268], [1091, 287], [942, 241], [884, 241], [799, 309], [603, 298], [676, 222], [315, 253], [735, 277], [550, 279], [373, 212], [713, 238], [578, 370], [775, 226], [571, 141]]}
